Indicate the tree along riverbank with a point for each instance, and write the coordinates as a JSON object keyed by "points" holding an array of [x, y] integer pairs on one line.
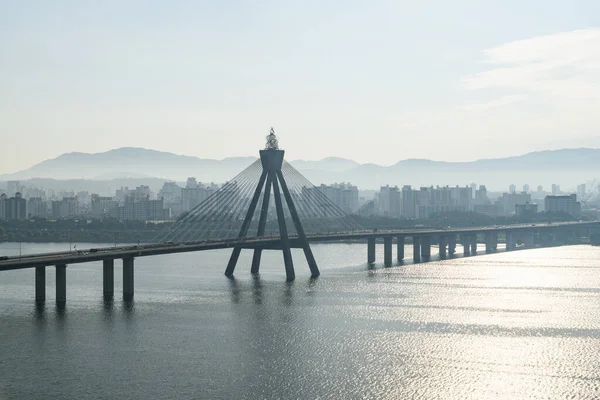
{"points": [[113, 231]]}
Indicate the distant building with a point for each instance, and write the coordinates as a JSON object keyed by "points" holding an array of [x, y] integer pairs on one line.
{"points": [[507, 203], [512, 189], [13, 208], [103, 206], [12, 188], [122, 193], [3, 198], [526, 188], [192, 196], [37, 208], [344, 195], [555, 189], [473, 189], [170, 193], [409, 202], [191, 183], [136, 209], [389, 201], [68, 207], [566, 203], [481, 197], [581, 192], [428, 200]]}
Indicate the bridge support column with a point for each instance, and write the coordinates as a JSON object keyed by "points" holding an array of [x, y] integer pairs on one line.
{"points": [[387, 251], [416, 249], [128, 278], [488, 242], [451, 244], [528, 239], [425, 248], [464, 239], [40, 283], [510, 244], [108, 278], [61, 284], [400, 248], [474, 244], [443, 241], [371, 250], [494, 241]]}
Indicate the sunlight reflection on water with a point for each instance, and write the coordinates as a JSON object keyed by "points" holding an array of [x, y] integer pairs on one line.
{"points": [[524, 324]]}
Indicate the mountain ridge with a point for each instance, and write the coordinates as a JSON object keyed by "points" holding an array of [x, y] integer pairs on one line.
{"points": [[561, 165]]}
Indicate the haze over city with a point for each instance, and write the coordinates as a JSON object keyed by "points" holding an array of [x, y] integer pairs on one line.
{"points": [[300, 200], [376, 82]]}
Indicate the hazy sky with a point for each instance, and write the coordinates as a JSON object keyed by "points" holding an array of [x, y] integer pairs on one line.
{"points": [[375, 81]]}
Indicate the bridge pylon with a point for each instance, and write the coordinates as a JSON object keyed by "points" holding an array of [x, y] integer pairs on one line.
{"points": [[272, 179]]}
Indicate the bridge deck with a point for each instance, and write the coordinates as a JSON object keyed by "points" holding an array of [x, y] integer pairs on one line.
{"points": [[82, 256]]}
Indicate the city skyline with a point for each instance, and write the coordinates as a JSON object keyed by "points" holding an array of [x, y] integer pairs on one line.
{"points": [[208, 80]]}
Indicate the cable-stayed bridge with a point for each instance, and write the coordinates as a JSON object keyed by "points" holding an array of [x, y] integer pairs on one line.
{"points": [[271, 206]]}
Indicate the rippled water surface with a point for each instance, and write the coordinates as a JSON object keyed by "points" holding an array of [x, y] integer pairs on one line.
{"points": [[524, 324]]}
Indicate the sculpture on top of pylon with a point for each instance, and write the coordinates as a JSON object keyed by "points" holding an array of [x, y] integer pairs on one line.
{"points": [[272, 143]]}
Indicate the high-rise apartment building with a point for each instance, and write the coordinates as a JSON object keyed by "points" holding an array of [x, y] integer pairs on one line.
{"points": [[13, 208], [566, 203]]}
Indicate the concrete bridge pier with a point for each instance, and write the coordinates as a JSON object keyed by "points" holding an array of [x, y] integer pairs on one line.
{"points": [[425, 248], [464, 240], [61, 284], [416, 249], [108, 278], [529, 239], [494, 241], [400, 248], [473, 240], [489, 242], [510, 243], [451, 244], [443, 242], [128, 278], [387, 251], [371, 250], [40, 283]]}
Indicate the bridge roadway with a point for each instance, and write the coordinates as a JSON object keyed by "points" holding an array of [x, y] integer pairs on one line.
{"points": [[124, 252]]}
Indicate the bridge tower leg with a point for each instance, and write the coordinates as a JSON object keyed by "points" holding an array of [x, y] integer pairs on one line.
{"points": [[108, 278], [61, 284], [400, 248], [235, 255], [443, 242], [371, 250], [40, 283], [416, 249], [387, 251], [312, 264], [262, 223], [128, 279], [285, 244]]}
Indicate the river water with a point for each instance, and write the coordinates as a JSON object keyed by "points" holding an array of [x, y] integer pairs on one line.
{"points": [[524, 324]]}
